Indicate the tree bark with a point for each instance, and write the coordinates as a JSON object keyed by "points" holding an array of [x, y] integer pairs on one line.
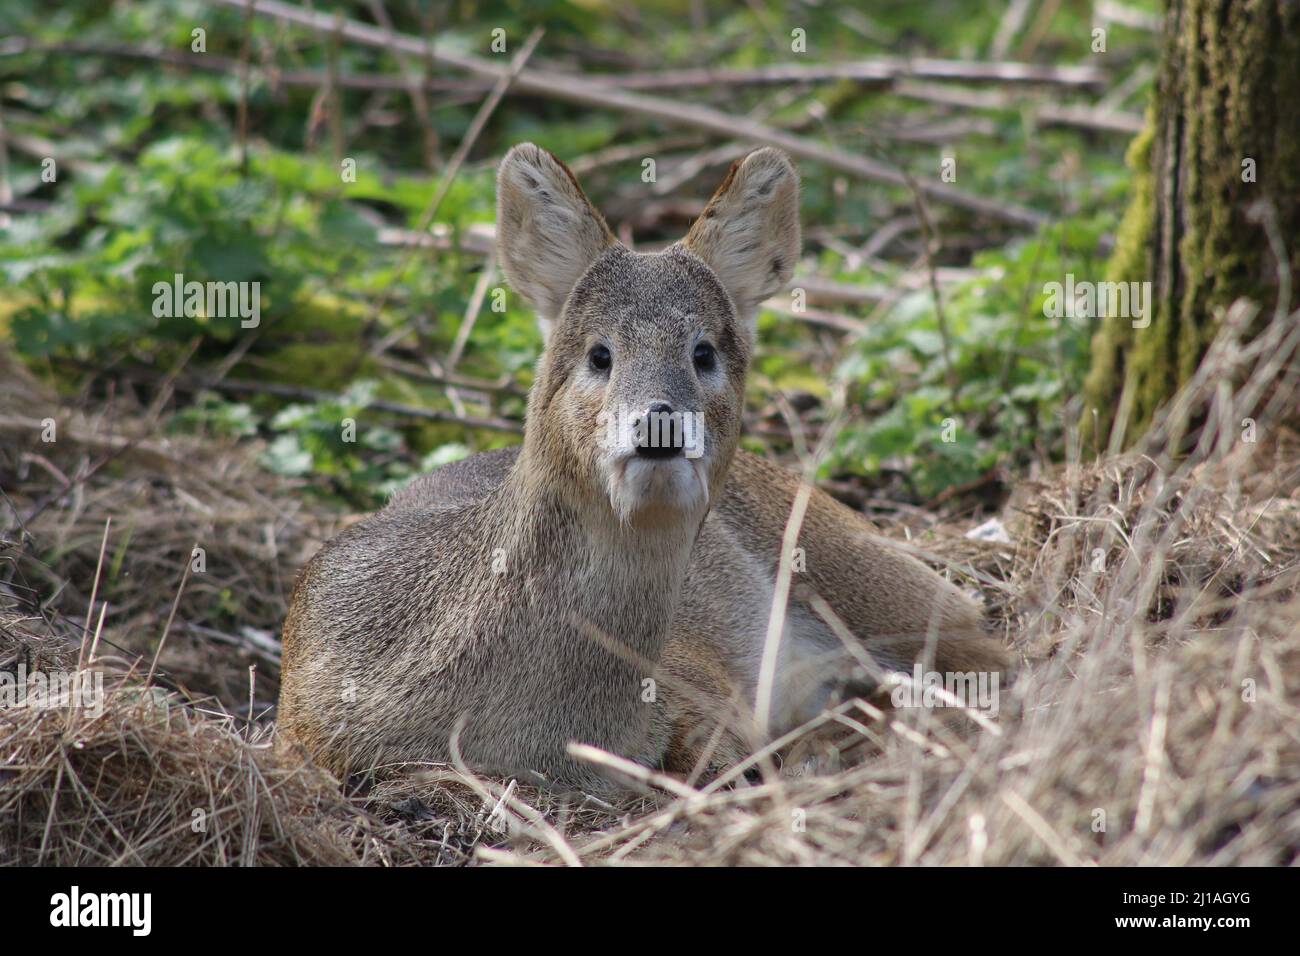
{"points": [[1223, 139]]}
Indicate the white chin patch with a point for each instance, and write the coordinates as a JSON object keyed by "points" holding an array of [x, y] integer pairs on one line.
{"points": [[638, 485]]}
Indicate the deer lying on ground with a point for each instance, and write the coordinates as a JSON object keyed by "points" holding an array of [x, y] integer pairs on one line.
{"points": [[610, 583]]}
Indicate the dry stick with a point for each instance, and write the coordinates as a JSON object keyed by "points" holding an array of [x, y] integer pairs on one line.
{"points": [[930, 244], [785, 568], [818, 317], [596, 92], [1038, 29], [41, 147], [500, 805], [1043, 830], [1090, 117], [776, 614], [49, 817], [94, 592], [880, 70], [1103, 118], [826, 716], [252, 684], [1012, 22], [533, 822], [316, 395], [471, 314], [855, 648], [99, 629], [627, 152], [691, 166], [1119, 94], [1154, 757], [467, 326], [211, 63], [165, 390], [234, 358], [632, 771], [712, 790], [923, 830], [504, 383], [153, 666], [453, 167]]}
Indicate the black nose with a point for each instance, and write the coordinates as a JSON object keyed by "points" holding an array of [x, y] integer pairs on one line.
{"points": [[659, 433]]}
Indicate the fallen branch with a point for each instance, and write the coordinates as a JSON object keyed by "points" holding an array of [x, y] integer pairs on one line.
{"points": [[395, 408], [301, 394], [1045, 114], [883, 70]]}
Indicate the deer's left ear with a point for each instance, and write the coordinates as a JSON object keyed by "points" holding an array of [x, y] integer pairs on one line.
{"points": [[749, 233]]}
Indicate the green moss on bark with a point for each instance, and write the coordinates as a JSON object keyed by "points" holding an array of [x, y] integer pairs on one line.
{"points": [[1225, 94], [1131, 261]]}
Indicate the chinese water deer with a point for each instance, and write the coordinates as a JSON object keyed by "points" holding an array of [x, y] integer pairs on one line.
{"points": [[610, 583]]}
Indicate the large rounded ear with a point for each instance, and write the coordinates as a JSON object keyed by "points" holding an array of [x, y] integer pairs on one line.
{"points": [[749, 232], [548, 233]]}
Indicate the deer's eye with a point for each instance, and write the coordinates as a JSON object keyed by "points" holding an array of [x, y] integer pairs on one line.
{"points": [[599, 358], [706, 357]]}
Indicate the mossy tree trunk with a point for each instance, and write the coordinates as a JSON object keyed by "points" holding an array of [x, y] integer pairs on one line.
{"points": [[1223, 135]]}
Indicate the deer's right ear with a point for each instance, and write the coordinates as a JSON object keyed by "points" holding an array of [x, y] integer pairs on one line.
{"points": [[548, 233]]}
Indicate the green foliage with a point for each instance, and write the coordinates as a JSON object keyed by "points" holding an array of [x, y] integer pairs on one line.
{"points": [[328, 438], [210, 414], [1013, 367], [338, 442]]}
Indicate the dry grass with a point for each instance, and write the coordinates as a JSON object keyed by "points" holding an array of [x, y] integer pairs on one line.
{"points": [[1154, 600], [142, 777]]}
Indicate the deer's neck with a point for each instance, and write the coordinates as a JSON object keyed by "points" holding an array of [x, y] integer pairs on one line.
{"points": [[607, 578]]}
